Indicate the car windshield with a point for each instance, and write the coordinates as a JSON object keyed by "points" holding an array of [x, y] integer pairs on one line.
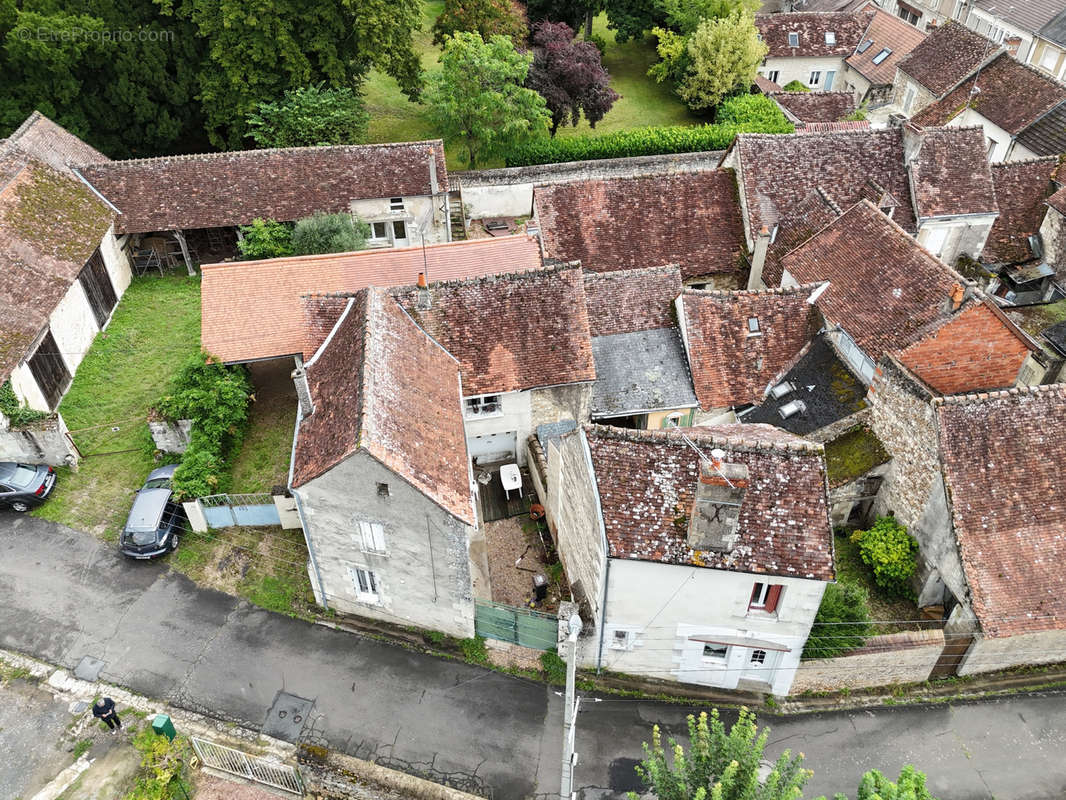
{"points": [[143, 537], [23, 475], [158, 483]]}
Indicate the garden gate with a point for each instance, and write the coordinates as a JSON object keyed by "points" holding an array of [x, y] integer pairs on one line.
{"points": [[226, 510], [266, 771], [522, 626]]}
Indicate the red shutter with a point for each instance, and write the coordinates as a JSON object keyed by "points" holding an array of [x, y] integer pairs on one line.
{"points": [[772, 597]]}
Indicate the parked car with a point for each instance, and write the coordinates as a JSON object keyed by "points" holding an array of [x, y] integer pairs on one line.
{"points": [[155, 521], [23, 486]]}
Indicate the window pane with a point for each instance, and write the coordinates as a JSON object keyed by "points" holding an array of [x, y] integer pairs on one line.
{"points": [[399, 229], [380, 231]]}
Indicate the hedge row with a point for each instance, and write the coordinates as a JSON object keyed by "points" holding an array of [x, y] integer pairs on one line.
{"points": [[640, 142]]}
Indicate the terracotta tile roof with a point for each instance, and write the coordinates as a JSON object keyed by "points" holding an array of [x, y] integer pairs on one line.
{"points": [[976, 350], [1013, 96], [647, 485], [379, 361], [1022, 189], [50, 224], [812, 27], [765, 85], [1002, 457], [828, 127], [780, 171], [236, 297], [1058, 201], [948, 54], [631, 300], [806, 218], [950, 173], [53, 144], [510, 332], [885, 289], [885, 31], [218, 190], [815, 106], [622, 223], [730, 365]]}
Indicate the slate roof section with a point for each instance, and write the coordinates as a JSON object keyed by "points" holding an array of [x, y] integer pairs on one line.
{"points": [[812, 27], [647, 483], [1055, 29], [50, 225], [1002, 457], [946, 56], [1048, 134], [825, 385], [639, 372], [631, 300], [732, 366], [884, 31], [53, 144], [237, 296], [1022, 189], [885, 289], [218, 190], [377, 362], [815, 106], [950, 173], [1030, 15], [510, 332], [1012, 95], [688, 219], [780, 171]]}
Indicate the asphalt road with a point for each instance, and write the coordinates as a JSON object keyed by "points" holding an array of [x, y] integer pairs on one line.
{"points": [[67, 595]]}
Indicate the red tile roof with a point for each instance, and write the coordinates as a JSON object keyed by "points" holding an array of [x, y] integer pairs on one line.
{"points": [[812, 28], [815, 106], [377, 362], [806, 218], [731, 366], [1002, 457], [1022, 189], [1058, 201], [976, 350], [622, 223], [237, 297], [50, 224], [885, 289], [626, 301], [780, 171], [948, 54], [885, 31], [950, 173], [219, 190], [647, 485], [53, 144], [510, 332], [1012, 95]]}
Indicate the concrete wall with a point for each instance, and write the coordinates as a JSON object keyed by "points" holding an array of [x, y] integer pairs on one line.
{"points": [[43, 442], [858, 85], [800, 69], [844, 498], [424, 576], [560, 403], [964, 235], [516, 417], [498, 200], [906, 657], [988, 655], [417, 211], [1006, 149]]}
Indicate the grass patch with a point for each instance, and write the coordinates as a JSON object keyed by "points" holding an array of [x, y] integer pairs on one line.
{"points": [[262, 461], [81, 748], [155, 328], [850, 567], [393, 118]]}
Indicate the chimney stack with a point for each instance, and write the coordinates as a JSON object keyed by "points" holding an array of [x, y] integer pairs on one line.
{"points": [[303, 392], [958, 294], [758, 259], [424, 299]]}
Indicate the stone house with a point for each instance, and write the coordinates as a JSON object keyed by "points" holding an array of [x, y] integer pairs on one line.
{"points": [[1053, 234], [385, 498], [871, 68], [698, 555], [810, 47], [62, 269]]}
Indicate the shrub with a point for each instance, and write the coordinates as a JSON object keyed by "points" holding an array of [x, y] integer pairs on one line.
{"points": [[890, 551], [17, 413], [329, 233], [599, 42], [553, 667], [265, 238], [795, 86], [474, 650], [751, 109], [842, 622], [163, 763], [638, 142]]}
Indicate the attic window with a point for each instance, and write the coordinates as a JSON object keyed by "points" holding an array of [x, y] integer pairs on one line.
{"points": [[830, 37], [396, 204], [862, 48], [1036, 245], [753, 326], [792, 408], [880, 57], [793, 40]]}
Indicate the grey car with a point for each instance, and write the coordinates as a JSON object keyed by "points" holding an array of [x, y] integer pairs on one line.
{"points": [[23, 486], [155, 522]]}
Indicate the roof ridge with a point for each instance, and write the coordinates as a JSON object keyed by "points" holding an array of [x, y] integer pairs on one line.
{"points": [[1000, 394], [493, 278], [847, 132], [622, 273], [26, 125], [796, 444], [781, 15], [770, 290], [1025, 161], [231, 153]]}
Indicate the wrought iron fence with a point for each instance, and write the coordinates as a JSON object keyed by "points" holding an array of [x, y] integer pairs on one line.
{"points": [[260, 769]]}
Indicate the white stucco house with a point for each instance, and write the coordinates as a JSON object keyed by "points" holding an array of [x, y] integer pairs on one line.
{"points": [[698, 555]]}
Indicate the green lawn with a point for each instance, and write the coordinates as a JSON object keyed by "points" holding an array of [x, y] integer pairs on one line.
{"points": [[850, 567], [393, 118], [155, 328], [263, 459]]}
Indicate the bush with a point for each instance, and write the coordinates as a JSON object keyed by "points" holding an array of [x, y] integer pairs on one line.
{"points": [[329, 233], [17, 413], [599, 42], [890, 551], [163, 763], [751, 109], [638, 142], [842, 622], [553, 667], [265, 238], [310, 116], [474, 650], [796, 86]]}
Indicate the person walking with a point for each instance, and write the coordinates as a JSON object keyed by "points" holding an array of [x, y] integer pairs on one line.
{"points": [[104, 709]]}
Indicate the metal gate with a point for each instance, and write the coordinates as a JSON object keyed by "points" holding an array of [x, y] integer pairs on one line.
{"points": [[520, 626], [253, 768], [226, 510]]}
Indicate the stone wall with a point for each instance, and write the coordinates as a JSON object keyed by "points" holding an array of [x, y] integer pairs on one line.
{"points": [[907, 657], [171, 437], [42, 442], [1053, 232], [560, 403], [344, 777], [591, 170], [922, 97], [989, 655]]}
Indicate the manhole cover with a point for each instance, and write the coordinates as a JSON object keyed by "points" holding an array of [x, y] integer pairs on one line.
{"points": [[287, 716], [88, 669]]}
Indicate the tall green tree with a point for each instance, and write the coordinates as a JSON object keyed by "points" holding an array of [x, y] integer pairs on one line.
{"points": [[479, 96], [485, 17], [260, 48], [630, 19], [310, 115], [685, 16]]}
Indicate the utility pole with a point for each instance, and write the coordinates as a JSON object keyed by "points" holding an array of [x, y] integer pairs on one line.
{"points": [[566, 789]]}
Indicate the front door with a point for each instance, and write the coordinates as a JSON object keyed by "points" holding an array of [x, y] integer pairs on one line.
{"points": [[829, 76], [759, 665]]}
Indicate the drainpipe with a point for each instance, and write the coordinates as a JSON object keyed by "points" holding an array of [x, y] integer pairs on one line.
{"points": [[603, 611], [300, 513]]}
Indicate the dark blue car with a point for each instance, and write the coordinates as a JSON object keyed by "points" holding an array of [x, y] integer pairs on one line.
{"points": [[23, 486]]}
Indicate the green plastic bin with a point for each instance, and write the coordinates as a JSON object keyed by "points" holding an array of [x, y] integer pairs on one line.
{"points": [[162, 725]]}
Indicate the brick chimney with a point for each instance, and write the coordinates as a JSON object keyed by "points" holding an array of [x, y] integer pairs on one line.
{"points": [[758, 259], [303, 392], [425, 301], [957, 295]]}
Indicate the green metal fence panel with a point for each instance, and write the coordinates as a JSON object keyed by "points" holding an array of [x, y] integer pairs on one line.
{"points": [[520, 626], [537, 631]]}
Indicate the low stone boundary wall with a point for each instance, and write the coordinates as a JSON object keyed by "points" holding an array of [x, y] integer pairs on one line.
{"points": [[171, 437], [42, 442], [335, 776], [907, 657]]}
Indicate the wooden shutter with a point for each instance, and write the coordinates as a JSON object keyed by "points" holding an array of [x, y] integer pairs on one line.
{"points": [[98, 288], [49, 370], [772, 598]]}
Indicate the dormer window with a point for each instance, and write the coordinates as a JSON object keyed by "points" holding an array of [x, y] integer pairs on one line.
{"points": [[880, 57], [793, 40], [830, 37], [753, 326]]}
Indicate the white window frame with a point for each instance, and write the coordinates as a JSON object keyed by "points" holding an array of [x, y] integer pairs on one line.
{"points": [[773, 75], [371, 537], [622, 639], [373, 237], [754, 329], [473, 405], [396, 204], [793, 36], [364, 576], [830, 38], [816, 77], [882, 54], [406, 233], [757, 602]]}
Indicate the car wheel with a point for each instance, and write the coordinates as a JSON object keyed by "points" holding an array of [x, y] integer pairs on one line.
{"points": [[19, 506], [173, 542]]}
